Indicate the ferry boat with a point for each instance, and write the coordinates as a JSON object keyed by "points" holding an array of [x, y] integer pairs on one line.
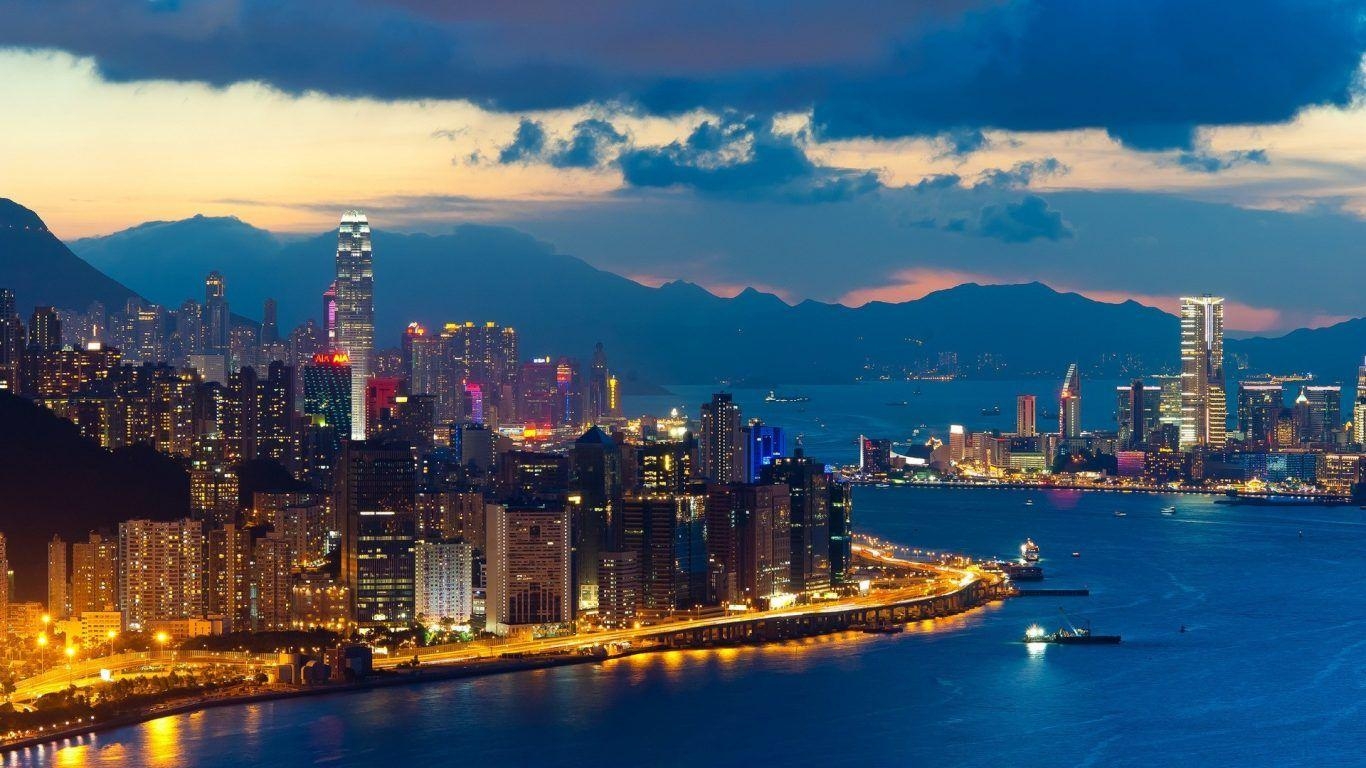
{"points": [[1121, 513], [1029, 551], [774, 397], [1069, 635], [1029, 502], [1169, 511]]}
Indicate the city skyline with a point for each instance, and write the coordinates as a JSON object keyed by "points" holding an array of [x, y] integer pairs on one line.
{"points": [[616, 168]]}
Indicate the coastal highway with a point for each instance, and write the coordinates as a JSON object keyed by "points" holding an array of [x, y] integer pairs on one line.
{"points": [[915, 580]]}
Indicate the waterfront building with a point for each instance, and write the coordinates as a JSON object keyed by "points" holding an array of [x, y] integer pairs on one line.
{"points": [[1069, 405], [58, 583], [1026, 410], [595, 489], [874, 456], [619, 588], [161, 571], [376, 509], [809, 518], [719, 454], [443, 582], [1359, 408], [841, 530], [748, 541], [958, 443], [319, 600], [667, 533], [1259, 409], [1204, 410], [355, 309], [528, 567], [1138, 413], [1321, 417]]}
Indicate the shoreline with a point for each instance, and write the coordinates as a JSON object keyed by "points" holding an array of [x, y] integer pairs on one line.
{"points": [[1249, 498], [432, 673]]}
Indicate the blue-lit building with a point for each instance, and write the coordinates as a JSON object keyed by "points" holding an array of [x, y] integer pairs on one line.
{"points": [[760, 446]]}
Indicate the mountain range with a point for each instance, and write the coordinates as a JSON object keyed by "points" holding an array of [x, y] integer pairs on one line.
{"points": [[677, 332]]}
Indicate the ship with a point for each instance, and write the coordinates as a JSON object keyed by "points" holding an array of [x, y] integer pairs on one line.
{"points": [[1029, 551], [994, 410], [774, 397], [1069, 635], [1022, 572], [1121, 513], [1169, 511]]}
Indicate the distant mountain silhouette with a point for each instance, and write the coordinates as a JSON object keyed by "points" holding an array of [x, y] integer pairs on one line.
{"points": [[53, 480], [677, 332], [40, 269]]}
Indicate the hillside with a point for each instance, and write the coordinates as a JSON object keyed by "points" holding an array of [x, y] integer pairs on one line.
{"points": [[40, 269]]}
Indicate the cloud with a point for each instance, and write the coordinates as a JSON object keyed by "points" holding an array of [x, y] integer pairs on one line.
{"points": [[586, 146], [1029, 219], [1021, 174], [961, 142], [735, 155], [1205, 161], [1146, 71]]}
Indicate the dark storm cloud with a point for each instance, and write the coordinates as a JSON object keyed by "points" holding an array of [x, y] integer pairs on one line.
{"points": [[1147, 71], [586, 147]]}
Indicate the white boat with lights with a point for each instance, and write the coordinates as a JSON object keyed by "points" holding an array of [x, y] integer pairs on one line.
{"points": [[1169, 511], [1029, 551]]}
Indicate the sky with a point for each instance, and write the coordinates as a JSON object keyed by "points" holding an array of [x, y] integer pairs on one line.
{"points": [[846, 152]]}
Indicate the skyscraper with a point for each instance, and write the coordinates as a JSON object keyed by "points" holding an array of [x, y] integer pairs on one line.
{"points": [[1322, 413], [443, 572], [216, 318], [1259, 408], [1026, 423], [1359, 408], [376, 507], [598, 395], [327, 391], [1204, 409], [356, 309], [58, 584], [528, 567], [1069, 405], [720, 450]]}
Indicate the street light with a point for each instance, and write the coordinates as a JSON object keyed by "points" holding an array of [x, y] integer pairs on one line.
{"points": [[162, 638], [42, 648]]}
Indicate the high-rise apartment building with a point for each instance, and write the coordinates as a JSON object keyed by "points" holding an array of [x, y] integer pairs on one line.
{"points": [[443, 581], [161, 571], [719, 455], [94, 575], [58, 582], [355, 310], [1204, 408]]}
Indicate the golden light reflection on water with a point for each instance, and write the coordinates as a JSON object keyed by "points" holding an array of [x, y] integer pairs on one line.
{"points": [[162, 738]]}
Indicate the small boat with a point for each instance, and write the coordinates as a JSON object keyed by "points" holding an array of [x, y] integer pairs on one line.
{"points": [[774, 397], [1169, 511], [994, 410], [1029, 502], [1029, 551], [1076, 554], [1121, 513], [897, 403], [1069, 635]]}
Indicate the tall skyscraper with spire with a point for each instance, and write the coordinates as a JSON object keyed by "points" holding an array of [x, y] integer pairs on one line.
{"points": [[1204, 404], [355, 318], [1359, 408]]}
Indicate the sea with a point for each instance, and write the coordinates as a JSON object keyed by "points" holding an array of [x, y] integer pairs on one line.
{"points": [[1270, 669]]}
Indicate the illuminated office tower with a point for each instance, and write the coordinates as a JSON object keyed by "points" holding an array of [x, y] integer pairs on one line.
{"points": [[528, 571], [443, 581], [1138, 409], [356, 309], [1322, 413], [58, 595], [667, 534], [44, 330], [327, 391], [720, 451], [958, 443], [598, 393], [1026, 423], [1359, 408], [809, 487], [1259, 408], [595, 501], [376, 506], [161, 571], [1069, 405], [216, 320], [1204, 409]]}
